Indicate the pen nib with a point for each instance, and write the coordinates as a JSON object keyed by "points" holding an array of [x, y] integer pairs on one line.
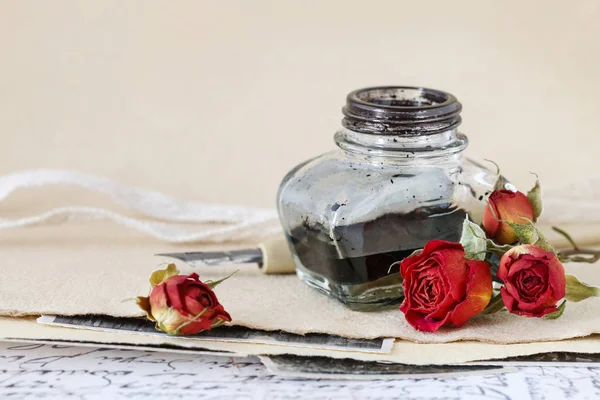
{"points": [[244, 256]]}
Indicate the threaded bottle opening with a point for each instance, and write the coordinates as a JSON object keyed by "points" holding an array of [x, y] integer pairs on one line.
{"points": [[401, 110]]}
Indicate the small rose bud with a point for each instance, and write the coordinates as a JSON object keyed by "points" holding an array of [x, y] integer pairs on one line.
{"points": [[183, 305], [506, 206]]}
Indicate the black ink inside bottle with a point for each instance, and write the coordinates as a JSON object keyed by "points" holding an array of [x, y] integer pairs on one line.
{"points": [[363, 252]]}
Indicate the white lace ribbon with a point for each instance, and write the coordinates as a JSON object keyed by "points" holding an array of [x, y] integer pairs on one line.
{"points": [[237, 222], [573, 203]]}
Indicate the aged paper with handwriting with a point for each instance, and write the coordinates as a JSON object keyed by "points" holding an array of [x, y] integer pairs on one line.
{"points": [[33, 370]]}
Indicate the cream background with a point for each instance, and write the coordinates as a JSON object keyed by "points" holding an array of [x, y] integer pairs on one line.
{"points": [[216, 100]]}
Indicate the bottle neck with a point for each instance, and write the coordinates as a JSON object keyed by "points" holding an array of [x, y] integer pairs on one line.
{"points": [[443, 144], [401, 122]]}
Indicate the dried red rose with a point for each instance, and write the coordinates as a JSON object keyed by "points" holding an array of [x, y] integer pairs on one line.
{"points": [[534, 281], [182, 305], [442, 287], [506, 206]]}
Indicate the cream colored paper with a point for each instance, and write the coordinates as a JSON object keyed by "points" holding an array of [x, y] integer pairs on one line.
{"points": [[75, 271], [403, 351]]}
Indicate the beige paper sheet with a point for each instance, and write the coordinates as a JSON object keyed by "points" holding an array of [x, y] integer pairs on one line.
{"points": [[403, 351], [77, 273]]}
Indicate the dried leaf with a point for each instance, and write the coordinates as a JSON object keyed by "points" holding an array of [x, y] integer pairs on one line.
{"points": [[578, 291], [535, 198], [162, 274], [212, 284], [525, 233], [473, 240], [556, 314], [144, 304]]}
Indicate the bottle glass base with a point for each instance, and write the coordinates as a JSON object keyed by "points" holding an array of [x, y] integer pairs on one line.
{"points": [[376, 295]]}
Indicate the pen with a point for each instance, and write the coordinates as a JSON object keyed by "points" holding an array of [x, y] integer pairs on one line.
{"points": [[272, 257]]}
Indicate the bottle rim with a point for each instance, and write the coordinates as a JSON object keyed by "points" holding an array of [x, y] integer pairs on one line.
{"points": [[401, 110]]}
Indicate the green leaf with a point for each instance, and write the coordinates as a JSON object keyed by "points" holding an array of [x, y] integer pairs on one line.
{"points": [[556, 314], [473, 240], [496, 304], [535, 198], [578, 291], [159, 276], [212, 284]]}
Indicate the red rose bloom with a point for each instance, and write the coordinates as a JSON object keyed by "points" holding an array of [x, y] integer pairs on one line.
{"points": [[184, 305], [508, 206], [534, 281], [441, 287]]}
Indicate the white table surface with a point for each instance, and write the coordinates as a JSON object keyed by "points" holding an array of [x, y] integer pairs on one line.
{"points": [[67, 372]]}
